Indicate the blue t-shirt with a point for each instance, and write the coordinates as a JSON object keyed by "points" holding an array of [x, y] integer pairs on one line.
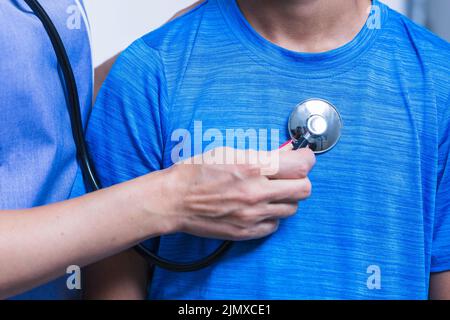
{"points": [[37, 152], [378, 221]]}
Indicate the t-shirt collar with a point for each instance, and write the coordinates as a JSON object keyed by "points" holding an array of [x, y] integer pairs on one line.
{"points": [[314, 64]]}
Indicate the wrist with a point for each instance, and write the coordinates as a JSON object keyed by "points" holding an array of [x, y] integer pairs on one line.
{"points": [[160, 194], [174, 188]]}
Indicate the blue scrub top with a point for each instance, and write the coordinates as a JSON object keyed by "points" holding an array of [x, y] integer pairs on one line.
{"points": [[37, 153]]}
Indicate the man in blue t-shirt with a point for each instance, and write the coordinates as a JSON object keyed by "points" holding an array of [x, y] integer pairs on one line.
{"points": [[378, 223]]}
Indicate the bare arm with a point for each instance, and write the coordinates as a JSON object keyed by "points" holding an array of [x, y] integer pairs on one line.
{"points": [[232, 202], [440, 286], [37, 245]]}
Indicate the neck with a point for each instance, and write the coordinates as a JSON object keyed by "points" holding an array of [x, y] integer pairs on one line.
{"points": [[307, 25]]}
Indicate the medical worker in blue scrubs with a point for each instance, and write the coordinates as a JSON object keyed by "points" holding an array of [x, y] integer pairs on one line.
{"points": [[378, 223], [38, 168]]}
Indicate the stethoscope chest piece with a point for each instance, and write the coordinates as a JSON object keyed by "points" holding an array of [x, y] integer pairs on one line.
{"points": [[315, 123]]}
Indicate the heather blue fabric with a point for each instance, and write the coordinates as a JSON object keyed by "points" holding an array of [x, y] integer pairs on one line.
{"points": [[381, 198], [37, 153]]}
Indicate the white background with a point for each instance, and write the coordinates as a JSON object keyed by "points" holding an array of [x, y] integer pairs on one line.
{"points": [[116, 23]]}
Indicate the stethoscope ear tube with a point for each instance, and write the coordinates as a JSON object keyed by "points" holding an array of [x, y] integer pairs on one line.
{"points": [[151, 258], [72, 92], [85, 163]]}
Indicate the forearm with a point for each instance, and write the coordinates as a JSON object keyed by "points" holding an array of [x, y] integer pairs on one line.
{"points": [[38, 245], [233, 202]]}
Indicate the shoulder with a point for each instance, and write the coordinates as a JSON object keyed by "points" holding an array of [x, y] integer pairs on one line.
{"points": [[167, 50], [423, 54], [431, 50], [178, 32], [418, 33]]}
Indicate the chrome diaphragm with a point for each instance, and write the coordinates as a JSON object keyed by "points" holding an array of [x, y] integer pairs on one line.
{"points": [[315, 123]]}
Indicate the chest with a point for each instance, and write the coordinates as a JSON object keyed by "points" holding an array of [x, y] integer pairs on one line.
{"points": [[388, 133], [378, 111]]}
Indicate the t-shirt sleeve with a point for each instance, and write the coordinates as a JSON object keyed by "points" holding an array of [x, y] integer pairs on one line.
{"points": [[125, 134], [440, 260]]}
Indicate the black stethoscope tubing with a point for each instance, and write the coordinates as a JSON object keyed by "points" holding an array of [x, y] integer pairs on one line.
{"points": [[87, 167]]}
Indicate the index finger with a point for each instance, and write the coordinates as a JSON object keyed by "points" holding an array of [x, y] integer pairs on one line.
{"points": [[294, 164]]}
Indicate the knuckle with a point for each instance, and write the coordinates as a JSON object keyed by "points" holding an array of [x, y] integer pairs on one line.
{"points": [[246, 217], [310, 156], [249, 233], [262, 230], [302, 169], [221, 211], [250, 197]]}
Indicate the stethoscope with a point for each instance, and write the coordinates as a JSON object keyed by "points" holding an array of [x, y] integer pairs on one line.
{"points": [[314, 123]]}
